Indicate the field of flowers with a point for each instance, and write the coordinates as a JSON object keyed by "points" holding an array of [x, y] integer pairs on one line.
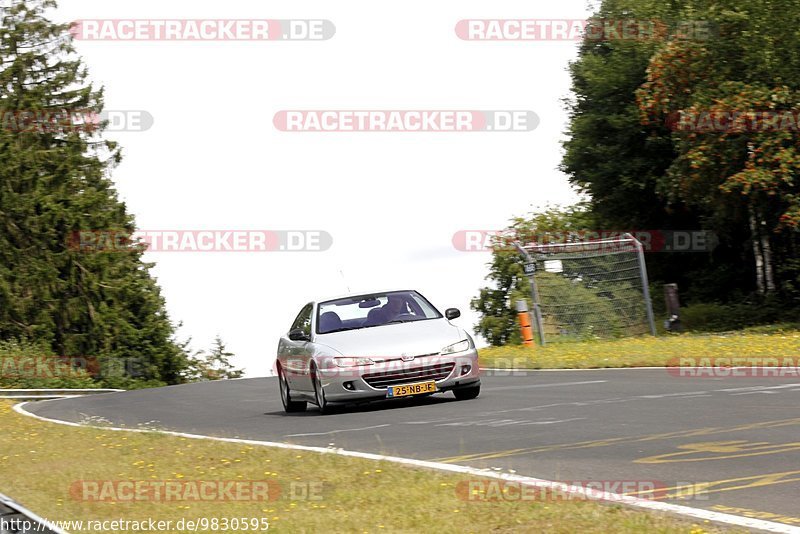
{"points": [[646, 351]]}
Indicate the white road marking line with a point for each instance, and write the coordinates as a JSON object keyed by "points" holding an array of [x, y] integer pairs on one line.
{"points": [[636, 502], [754, 388], [430, 422], [612, 400], [334, 431], [507, 422], [662, 395], [554, 422], [530, 386]]}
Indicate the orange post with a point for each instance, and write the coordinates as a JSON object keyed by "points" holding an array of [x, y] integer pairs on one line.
{"points": [[524, 322]]}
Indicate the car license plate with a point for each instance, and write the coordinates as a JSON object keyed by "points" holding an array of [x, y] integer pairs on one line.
{"points": [[411, 389]]}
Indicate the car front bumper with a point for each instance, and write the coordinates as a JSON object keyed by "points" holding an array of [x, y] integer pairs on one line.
{"points": [[349, 384]]}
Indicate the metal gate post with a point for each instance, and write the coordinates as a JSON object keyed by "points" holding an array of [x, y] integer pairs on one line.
{"points": [[645, 284], [537, 312]]}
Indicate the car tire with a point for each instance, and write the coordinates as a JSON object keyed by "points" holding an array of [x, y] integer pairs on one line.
{"points": [[289, 406], [467, 393], [319, 392]]}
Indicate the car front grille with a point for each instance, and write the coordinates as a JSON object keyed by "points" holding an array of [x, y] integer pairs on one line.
{"points": [[409, 376]]}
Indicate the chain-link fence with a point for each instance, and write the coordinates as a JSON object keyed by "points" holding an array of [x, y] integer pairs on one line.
{"points": [[589, 289]]}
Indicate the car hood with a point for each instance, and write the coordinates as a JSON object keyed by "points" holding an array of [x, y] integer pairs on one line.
{"points": [[392, 340]]}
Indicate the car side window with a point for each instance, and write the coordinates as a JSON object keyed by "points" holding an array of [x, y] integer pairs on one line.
{"points": [[303, 320]]}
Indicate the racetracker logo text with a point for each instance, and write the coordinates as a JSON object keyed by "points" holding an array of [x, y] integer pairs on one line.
{"points": [[200, 241], [202, 30], [165, 491], [405, 120], [575, 490], [580, 29], [734, 121], [735, 367], [599, 240], [49, 367], [61, 121]]}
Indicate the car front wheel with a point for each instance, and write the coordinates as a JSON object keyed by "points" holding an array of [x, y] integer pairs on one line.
{"points": [[289, 405], [319, 392], [467, 393]]}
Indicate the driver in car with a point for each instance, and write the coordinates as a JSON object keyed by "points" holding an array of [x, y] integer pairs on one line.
{"points": [[396, 307]]}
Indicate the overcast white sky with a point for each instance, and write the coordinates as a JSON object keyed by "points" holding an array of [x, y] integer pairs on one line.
{"points": [[391, 201]]}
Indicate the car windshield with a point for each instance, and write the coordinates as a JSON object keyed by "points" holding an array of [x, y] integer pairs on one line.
{"points": [[377, 309]]}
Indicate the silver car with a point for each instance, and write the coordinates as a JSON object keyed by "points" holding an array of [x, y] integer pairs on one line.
{"points": [[391, 344]]}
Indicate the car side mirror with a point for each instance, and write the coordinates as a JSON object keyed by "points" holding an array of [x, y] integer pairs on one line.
{"points": [[298, 335], [452, 313]]}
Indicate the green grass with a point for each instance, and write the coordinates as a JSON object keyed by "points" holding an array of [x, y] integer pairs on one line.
{"points": [[40, 463], [764, 341]]}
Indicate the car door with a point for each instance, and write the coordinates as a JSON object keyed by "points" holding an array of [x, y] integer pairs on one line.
{"points": [[296, 354]]}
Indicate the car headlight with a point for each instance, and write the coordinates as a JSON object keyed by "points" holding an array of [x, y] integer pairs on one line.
{"points": [[455, 348], [352, 362]]}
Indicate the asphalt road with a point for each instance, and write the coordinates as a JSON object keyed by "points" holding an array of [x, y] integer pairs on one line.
{"points": [[739, 435]]}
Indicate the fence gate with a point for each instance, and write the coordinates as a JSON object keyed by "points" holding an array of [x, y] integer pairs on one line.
{"points": [[588, 289]]}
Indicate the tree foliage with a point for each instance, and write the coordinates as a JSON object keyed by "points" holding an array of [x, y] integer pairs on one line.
{"points": [[627, 151], [741, 173], [213, 365], [55, 181]]}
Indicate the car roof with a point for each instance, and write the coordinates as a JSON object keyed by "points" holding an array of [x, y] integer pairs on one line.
{"points": [[362, 293]]}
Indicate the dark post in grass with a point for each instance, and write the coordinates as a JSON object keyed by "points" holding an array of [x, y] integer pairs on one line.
{"points": [[673, 322]]}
